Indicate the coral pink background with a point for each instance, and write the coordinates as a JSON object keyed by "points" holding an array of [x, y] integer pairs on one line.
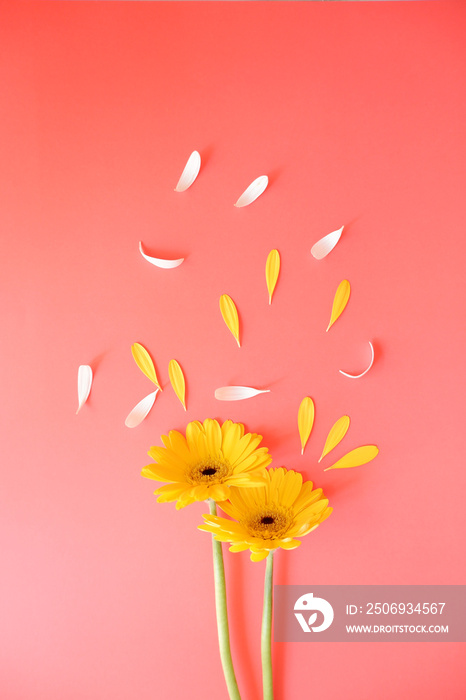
{"points": [[356, 111]]}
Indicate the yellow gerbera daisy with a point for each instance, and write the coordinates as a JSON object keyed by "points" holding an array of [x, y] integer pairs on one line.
{"points": [[207, 462], [271, 515]]}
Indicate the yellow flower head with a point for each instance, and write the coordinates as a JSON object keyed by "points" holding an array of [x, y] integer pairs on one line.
{"points": [[207, 462], [271, 515]]}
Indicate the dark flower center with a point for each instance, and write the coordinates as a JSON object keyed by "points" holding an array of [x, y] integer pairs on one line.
{"points": [[208, 471], [269, 522]]}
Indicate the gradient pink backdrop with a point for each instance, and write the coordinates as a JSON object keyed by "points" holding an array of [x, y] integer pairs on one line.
{"points": [[356, 111]]}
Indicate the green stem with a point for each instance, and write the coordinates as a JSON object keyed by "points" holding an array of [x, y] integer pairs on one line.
{"points": [[222, 615], [266, 636]]}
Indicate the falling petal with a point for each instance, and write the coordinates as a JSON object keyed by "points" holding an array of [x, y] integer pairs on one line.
{"points": [[140, 411], [306, 415], [336, 435], [326, 244], [341, 299], [254, 191], [356, 376], [272, 269], [84, 385], [160, 262], [144, 362], [237, 393], [230, 315], [190, 172], [355, 458], [177, 381]]}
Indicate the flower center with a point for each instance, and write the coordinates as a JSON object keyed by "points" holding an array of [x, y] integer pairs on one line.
{"points": [[270, 522], [210, 470]]}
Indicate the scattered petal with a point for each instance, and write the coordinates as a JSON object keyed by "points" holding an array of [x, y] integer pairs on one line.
{"points": [[336, 435], [306, 415], [190, 172], [356, 376], [254, 191], [140, 411], [177, 381], [237, 393], [84, 385], [326, 244], [160, 262], [341, 299], [230, 315], [272, 270], [355, 458], [144, 362]]}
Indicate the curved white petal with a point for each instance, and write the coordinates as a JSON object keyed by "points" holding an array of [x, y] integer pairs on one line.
{"points": [[237, 393], [356, 376], [326, 244], [140, 411], [190, 172], [254, 191], [84, 385], [160, 262]]}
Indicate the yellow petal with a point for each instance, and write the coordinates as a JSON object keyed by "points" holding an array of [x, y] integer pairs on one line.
{"points": [[259, 556], [306, 415], [218, 492], [272, 269], [169, 492], [239, 547], [185, 500], [144, 362], [201, 492], [213, 434], [292, 484], [361, 455], [163, 472], [341, 299], [291, 544], [336, 435], [177, 381], [230, 315]]}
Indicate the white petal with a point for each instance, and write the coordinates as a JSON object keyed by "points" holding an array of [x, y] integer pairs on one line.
{"points": [[160, 262], [326, 244], [356, 376], [140, 411], [84, 384], [254, 191], [190, 172], [236, 393]]}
